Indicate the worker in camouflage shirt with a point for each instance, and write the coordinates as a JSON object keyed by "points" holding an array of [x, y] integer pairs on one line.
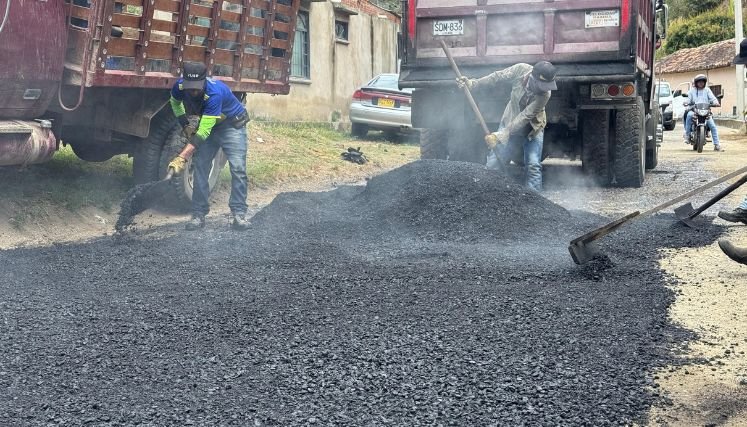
{"points": [[521, 132]]}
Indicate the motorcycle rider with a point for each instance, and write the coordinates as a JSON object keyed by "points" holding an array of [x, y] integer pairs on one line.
{"points": [[521, 132], [699, 93]]}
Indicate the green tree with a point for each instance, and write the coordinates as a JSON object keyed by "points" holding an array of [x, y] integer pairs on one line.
{"points": [[708, 27], [699, 6]]}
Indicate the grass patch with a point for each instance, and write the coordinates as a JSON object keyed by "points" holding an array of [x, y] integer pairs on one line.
{"points": [[37, 192], [311, 151]]}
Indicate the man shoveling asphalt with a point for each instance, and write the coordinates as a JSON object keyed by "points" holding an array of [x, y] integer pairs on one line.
{"points": [[521, 133], [222, 124]]}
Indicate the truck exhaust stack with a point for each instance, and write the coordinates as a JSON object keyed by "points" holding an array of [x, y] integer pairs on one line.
{"points": [[26, 142]]}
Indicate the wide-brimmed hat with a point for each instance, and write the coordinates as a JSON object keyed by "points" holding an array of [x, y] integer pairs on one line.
{"points": [[194, 75], [742, 57], [544, 74]]}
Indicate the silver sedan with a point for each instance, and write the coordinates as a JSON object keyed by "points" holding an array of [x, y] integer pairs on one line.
{"points": [[381, 105]]}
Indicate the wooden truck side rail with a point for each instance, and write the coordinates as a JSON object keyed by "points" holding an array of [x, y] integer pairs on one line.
{"points": [[144, 43]]}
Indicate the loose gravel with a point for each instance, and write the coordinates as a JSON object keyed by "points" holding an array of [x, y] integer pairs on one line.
{"points": [[439, 294]]}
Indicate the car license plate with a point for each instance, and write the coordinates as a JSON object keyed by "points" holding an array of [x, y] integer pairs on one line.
{"points": [[602, 18], [452, 27], [387, 103]]}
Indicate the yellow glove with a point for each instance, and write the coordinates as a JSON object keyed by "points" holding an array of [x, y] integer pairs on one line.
{"points": [[465, 81], [495, 138], [178, 165]]}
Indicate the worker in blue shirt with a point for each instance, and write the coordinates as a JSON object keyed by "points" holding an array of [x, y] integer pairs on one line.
{"points": [[222, 124]]}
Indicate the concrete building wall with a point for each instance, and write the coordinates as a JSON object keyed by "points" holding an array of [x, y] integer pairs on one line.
{"points": [[337, 68], [726, 77]]}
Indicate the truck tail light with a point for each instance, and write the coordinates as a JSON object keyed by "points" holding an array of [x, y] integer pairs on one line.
{"points": [[625, 18], [411, 18], [613, 90]]}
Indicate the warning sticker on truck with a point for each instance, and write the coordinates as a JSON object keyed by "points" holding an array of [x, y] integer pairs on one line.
{"points": [[602, 18]]}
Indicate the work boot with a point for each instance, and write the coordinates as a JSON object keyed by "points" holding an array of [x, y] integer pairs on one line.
{"points": [[240, 223], [717, 148], [737, 254], [737, 215], [197, 222]]}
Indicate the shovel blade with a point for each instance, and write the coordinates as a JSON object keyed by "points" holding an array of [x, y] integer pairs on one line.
{"points": [[683, 212], [583, 252], [149, 196]]}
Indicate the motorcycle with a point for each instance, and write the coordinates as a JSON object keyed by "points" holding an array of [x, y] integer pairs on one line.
{"points": [[699, 128]]}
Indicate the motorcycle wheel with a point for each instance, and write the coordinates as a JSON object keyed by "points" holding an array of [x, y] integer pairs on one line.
{"points": [[700, 141]]}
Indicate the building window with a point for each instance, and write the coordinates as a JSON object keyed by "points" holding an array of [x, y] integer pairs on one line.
{"points": [[716, 89], [341, 30], [300, 66]]}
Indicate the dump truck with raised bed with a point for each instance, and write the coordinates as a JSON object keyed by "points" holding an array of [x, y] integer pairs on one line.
{"points": [[604, 111], [96, 74]]}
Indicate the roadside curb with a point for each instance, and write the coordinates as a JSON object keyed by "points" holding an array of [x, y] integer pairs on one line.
{"points": [[730, 123]]}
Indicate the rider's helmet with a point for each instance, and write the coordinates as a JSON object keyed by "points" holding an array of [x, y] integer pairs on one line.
{"points": [[700, 77]]}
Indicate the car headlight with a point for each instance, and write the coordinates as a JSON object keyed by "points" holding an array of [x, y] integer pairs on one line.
{"points": [[668, 109]]}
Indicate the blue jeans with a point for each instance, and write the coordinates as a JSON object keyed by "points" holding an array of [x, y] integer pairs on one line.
{"points": [[234, 145], [711, 125], [521, 148]]}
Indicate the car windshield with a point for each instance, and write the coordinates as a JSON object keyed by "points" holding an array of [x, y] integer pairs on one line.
{"points": [[664, 91], [387, 81]]}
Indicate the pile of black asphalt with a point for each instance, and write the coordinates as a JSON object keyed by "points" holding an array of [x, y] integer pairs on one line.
{"points": [[438, 294]]}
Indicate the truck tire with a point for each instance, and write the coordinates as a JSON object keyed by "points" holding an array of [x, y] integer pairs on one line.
{"points": [[655, 128], [180, 197], [434, 144], [595, 154], [147, 157], [630, 146]]}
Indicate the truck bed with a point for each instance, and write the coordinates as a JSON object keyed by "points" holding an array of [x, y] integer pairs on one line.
{"points": [[144, 43], [493, 33]]}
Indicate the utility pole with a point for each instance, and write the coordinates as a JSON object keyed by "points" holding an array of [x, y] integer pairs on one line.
{"points": [[738, 36]]}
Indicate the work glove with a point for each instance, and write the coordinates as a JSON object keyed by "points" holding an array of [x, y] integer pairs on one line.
{"points": [[495, 138], [178, 164], [465, 81]]}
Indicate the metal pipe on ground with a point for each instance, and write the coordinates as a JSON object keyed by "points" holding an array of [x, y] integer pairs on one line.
{"points": [[26, 142]]}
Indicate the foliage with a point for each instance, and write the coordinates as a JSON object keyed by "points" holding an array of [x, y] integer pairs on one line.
{"points": [[708, 27], [392, 5]]}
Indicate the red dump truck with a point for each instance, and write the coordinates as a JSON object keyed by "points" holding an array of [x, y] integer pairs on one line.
{"points": [[96, 74], [604, 111]]}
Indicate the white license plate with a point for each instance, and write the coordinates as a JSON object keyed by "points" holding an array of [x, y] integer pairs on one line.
{"points": [[602, 18], [452, 27]]}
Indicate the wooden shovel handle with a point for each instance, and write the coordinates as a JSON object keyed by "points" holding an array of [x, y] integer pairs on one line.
{"points": [[467, 92]]}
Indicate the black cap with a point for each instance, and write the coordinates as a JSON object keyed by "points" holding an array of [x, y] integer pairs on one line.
{"points": [[544, 74], [742, 57], [194, 75]]}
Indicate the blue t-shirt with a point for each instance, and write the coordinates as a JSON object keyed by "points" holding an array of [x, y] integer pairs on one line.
{"points": [[219, 102]]}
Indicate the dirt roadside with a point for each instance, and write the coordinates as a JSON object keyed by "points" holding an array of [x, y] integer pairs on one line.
{"points": [[710, 302], [47, 223]]}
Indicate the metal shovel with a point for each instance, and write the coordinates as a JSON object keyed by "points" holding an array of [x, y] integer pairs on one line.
{"points": [[140, 198], [583, 249], [687, 212]]}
